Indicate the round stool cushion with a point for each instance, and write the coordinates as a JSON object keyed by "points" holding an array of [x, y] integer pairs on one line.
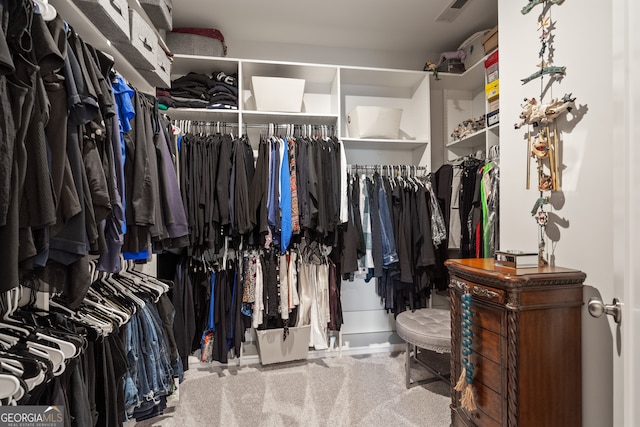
{"points": [[427, 328]]}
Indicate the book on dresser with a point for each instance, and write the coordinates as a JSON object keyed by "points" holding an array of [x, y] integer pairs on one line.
{"points": [[516, 259]]}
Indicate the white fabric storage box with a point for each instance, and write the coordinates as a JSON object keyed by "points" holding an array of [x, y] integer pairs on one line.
{"points": [[272, 349], [194, 44], [160, 76], [473, 49], [159, 12], [278, 93], [141, 51], [374, 122], [111, 17]]}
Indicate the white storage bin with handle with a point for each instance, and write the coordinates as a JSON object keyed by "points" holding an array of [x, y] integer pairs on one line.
{"points": [[374, 122], [278, 93]]}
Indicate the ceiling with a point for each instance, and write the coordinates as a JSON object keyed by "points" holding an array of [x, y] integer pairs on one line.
{"points": [[385, 25]]}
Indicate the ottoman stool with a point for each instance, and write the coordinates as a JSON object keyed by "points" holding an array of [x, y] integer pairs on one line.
{"points": [[429, 329]]}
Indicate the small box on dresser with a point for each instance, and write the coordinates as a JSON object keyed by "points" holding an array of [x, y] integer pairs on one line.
{"points": [[111, 17], [526, 344]]}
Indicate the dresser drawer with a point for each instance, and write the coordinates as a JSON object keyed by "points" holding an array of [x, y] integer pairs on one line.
{"points": [[488, 317], [489, 404], [487, 372], [487, 343], [481, 292]]}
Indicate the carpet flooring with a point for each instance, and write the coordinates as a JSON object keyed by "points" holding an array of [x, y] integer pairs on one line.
{"points": [[361, 390]]}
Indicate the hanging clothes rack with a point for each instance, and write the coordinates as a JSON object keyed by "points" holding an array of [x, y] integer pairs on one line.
{"points": [[390, 170], [296, 130]]}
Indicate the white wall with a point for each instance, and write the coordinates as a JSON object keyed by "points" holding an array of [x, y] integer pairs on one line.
{"points": [[324, 55], [580, 232]]}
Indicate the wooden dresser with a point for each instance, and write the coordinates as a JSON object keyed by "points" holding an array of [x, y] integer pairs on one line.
{"points": [[526, 344]]}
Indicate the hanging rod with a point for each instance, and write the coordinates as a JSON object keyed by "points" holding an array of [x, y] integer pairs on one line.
{"points": [[377, 167], [389, 169]]}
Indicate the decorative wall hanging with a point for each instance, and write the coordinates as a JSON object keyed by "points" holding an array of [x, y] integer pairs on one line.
{"points": [[543, 136]]}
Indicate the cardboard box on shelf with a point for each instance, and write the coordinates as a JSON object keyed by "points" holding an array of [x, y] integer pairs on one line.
{"points": [[492, 73], [493, 118], [493, 105], [492, 90], [490, 40], [491, 60]]}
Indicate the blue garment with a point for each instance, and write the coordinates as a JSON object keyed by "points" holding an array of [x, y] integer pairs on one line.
{"points": [[165, 374], [115, 225], [285, 200], [131, 380], [272, 195], [211, 323], [232, 312], [149, 374], [136, 255], [140, 370], [273, 216], [389, 254], [126, 112]]}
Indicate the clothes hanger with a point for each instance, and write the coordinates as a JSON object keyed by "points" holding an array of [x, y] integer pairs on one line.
{"points": [[32, 373], [9, 386], [13, 298], [148, 279], [68, 349], [78, 317]]}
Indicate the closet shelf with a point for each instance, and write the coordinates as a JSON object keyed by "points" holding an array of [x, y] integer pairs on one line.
{"points": [[203, 114], [331, 92], [463, 81], [475, 139], [470, 141], [256, 117], [384, 144], [184, 64]]}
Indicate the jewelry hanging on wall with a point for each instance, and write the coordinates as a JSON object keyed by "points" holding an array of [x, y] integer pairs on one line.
{"points": [[542, 134]]}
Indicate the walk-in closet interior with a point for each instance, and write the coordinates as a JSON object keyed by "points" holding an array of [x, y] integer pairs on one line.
{"points": [[195, 192]]}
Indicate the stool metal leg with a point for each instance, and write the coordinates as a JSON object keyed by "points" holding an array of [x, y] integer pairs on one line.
{"points": [[407, 366]]}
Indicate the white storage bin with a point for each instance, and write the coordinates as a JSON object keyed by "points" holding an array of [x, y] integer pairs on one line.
{"points": [[141, 51], [473, 48], [111, 17], [278, 94], [272, 349], [374, 122]]}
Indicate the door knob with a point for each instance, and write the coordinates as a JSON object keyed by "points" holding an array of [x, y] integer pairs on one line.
{"points": [[597, 308]]}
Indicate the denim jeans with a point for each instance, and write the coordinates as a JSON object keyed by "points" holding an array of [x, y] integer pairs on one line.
{"points": [[389, 254], [163, 355], [132, 381]]}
